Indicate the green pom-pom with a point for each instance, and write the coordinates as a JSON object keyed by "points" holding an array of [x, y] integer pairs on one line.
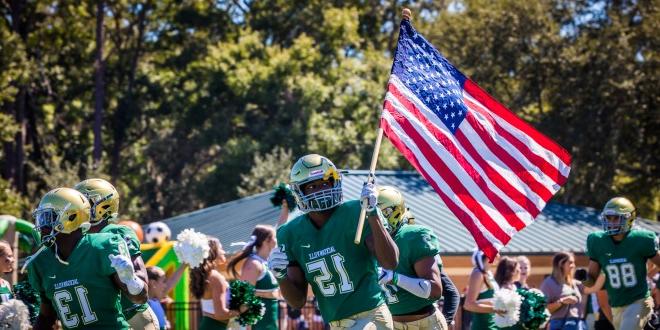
{"points": [[282, 192], [24, 292], [242, 293], [533, 310]]}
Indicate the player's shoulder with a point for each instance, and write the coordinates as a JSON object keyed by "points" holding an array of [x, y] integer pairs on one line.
{"points": [[642, 234], [290, 226], [352, 204], [597, 236], [102, 240]]}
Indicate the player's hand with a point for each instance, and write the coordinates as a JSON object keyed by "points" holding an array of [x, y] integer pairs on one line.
{"points": [[369, 196], [385, 276], [123, 265], [126, 273], [278, 262], [581, 274]]}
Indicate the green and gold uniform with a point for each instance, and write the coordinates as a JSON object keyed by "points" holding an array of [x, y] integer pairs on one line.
{"points": [[624, 263], [129, 308], [343, 276], [82, 293], [267, 282], [415, 242]]}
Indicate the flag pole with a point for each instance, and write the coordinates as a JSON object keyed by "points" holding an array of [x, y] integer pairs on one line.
{"points": [[407, 14]]}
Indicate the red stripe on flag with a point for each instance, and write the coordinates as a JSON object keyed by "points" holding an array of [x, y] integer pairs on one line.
{"points": [[482, 242], [547, 168], [505, 157], [449, 176], [497, 179], [490, 103], [502, 207]]}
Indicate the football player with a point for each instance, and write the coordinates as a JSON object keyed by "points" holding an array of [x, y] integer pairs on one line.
{"points": [[317, 248], [621, 252], [79, 276], [415, 285], [104, 200]]}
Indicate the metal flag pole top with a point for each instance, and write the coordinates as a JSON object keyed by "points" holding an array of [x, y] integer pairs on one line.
{"points": [[407, 14]]}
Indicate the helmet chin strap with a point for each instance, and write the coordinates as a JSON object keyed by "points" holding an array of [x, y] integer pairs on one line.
{"points": [[57, 255]]}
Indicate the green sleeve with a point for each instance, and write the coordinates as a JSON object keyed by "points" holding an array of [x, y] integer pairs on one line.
{"points": [[589, 251], [426, 244], [34, 279], [112, 245], [284, 242], [650, 247], [131, 241]]}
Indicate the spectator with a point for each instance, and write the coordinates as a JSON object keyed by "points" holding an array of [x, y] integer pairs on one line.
{"points": [[6, 266], [211, 288], [480, 290], [567, 298], [159, 286], [525, 272], [507, 273]]}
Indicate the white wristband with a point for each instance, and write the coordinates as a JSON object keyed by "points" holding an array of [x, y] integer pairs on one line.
{"points": [[417, 286], [135, 286]]}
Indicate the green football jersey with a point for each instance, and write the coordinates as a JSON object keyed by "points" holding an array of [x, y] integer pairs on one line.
{"points": [[343, 276], [624, 263], [82, 293], [414, 242], [129, 308]]}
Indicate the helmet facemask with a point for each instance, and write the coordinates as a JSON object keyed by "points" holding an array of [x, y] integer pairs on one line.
{"points": [[615, 223], [320, 200], [100, 210]]}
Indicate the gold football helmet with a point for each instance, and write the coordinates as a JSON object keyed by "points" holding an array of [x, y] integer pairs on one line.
{"points": [[62, 210], [104, 199]]}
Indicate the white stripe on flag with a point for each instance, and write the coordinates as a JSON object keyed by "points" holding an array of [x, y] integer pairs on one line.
{"points": [[451, 160], [534, 146], [444, 187]]}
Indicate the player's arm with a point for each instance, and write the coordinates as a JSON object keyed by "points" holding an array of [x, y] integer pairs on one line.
{"points": [[138, 298], [593, 270], [604, 304], [426, 285], [47, 316], [451, 297], [471, 303], [379, 242], [293, 286]]}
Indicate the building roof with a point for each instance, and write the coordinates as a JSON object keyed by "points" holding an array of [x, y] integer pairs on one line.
{"points": [[559, 227]]}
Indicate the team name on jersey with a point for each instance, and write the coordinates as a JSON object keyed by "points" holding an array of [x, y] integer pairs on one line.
{"points": [[321, 253], [66, 283], [618, 261]]}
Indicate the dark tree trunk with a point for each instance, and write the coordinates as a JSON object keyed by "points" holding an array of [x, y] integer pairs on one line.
{"points": [[99, 91]]}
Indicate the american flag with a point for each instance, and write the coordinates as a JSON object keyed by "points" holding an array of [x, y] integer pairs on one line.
{"points": [[493, 170]]}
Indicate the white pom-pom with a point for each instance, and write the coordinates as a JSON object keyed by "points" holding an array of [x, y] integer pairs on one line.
{"points": [[508, 302], [191, 247], [14, 315]]}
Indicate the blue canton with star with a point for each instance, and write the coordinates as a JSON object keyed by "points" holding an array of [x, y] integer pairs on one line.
{"points": [[426, 73]]}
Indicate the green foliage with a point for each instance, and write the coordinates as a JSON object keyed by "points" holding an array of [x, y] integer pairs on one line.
{"points": [[209, 101], [12, 202]]}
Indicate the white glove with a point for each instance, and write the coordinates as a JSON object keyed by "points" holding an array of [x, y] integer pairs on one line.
{"points": [[126, 273], [385, 276], [278, 262], [369, 196]]}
